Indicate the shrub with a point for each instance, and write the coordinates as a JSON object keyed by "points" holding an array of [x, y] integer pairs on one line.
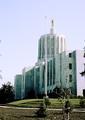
{"points": [[82, 103], [67, 106], [66, 110], [47, 101], [42, 111], [6, 93]]}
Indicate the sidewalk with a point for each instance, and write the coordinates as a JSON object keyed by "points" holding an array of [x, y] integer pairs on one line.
{"points": [[49, 109]]}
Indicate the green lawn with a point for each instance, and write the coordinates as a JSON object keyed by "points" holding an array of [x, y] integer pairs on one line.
{"points": [[29, 114], [55, 103]]}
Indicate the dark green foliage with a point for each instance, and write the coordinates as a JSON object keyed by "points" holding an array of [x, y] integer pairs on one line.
{"points": [[82, 103], [67, 104], [67, 107], [47, 101], [6, 93], [61, 93], [42, 111]]}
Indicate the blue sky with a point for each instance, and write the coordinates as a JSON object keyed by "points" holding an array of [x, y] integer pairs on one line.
{"points": [[22, 22]]}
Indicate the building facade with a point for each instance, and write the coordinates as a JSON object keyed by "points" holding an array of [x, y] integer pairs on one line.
{"points": [[79, 65], [55, 68], [17, 86]]}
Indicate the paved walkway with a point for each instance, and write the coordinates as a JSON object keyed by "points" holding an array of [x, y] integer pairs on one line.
{"points": [[53, 109]]}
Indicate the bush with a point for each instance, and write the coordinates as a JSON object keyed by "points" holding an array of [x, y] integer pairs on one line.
{"points": [[82, 103], [6, 93], [73, 96], [80, 97], [67, 107], [42, 111], [47, 101]]}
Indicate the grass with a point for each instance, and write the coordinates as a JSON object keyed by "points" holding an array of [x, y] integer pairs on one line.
{"points": [[14, 114], [27, 103], [29, 114], [55, 103]]}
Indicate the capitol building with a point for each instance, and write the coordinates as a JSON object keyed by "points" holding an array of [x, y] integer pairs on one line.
{"points": [[56, 67]]}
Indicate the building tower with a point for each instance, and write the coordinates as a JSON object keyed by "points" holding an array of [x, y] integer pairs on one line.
{"points": [[51, 43], [50, 46]]}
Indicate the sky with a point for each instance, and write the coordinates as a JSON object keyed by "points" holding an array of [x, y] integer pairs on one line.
{"points": [[22, 22]]}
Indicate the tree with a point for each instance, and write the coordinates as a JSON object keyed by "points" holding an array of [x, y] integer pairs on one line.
{"points": [[6, 93]]}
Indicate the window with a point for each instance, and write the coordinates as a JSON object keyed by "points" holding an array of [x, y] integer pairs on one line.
{"points": [[84, 92], [84, 54], [70, 54], [70, 65], [70, 78]]}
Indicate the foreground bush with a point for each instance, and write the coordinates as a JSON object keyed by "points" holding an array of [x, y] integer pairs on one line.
{"points": [[82, 103], [47, 101], [67, 110], [6, 93], [42, 111]]}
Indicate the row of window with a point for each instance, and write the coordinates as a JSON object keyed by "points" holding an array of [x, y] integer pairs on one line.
{"points": [[70, 67]]}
